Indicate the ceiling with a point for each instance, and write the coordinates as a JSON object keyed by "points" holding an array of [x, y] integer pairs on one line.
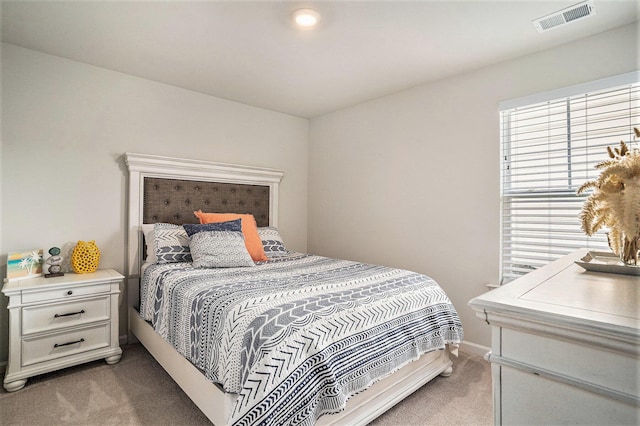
{"points": [[250, 52]]}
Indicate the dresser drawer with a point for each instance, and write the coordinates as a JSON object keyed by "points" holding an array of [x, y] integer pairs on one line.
{"points": [[589, 364], [47, 348], [37, 319], [524, 395], [61, 293]]}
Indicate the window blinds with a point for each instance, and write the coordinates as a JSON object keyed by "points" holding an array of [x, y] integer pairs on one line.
{"points": [[548, 150]]}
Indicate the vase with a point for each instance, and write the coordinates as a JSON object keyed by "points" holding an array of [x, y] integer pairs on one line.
{"points": [[85, 257]]}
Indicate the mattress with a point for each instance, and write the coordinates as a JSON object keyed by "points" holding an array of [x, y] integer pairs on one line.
{"points": [[295, 337]]}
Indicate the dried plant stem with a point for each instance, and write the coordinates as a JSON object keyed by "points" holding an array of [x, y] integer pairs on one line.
{"points": [[630, 250]]}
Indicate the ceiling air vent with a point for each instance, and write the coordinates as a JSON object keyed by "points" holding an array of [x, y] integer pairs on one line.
{"points": [[564, 16]]}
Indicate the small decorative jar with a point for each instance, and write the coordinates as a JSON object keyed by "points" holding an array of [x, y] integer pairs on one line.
{"points": [[85, 257]]}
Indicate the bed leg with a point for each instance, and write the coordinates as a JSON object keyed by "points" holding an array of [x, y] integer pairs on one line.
{"points": [[447, 372]]}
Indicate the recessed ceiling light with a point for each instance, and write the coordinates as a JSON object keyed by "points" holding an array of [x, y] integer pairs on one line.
{"points": [[306, 17]]}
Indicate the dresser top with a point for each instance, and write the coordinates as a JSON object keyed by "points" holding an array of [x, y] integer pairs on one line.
{"points": [[42, 283], [563, 292]]}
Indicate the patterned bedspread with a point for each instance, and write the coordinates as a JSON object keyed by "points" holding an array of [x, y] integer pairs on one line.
{"points": [[297, 336]]}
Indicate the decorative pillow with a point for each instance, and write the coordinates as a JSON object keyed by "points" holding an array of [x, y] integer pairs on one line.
{"points": [[171, 243], [232, 225], [150, 250], [272, 241], [219, 249], [249, 230]]}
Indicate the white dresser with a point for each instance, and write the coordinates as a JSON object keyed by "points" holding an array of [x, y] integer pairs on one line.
{"points": [[565, 346], [59, 322]]}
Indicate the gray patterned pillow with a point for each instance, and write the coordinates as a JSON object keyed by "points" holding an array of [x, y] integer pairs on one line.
{"points": [[272, 241], [171, 243], [219, 249]]}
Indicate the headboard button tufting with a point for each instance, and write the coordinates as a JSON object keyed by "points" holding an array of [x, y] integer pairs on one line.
{"points": [[164, 203]]}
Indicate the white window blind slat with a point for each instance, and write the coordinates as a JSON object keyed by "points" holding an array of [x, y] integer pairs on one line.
{"points": [[549, 148]]}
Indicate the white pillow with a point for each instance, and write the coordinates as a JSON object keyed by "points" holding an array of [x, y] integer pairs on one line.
{"points": [[147, 230]]}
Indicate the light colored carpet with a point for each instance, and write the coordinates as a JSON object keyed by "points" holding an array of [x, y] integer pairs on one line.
{"points": [[137, 391], [464, 398]]}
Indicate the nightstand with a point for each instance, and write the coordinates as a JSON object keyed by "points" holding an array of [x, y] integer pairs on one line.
{"points": [[59, 322]]}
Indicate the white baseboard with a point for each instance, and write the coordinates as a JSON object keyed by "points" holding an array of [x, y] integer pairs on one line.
{"points": [[474, 348], [123, 340]]}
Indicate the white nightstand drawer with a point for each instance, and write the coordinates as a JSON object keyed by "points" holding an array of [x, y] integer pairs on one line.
{"points": [[54, 346], [41, 318], [62, 293]]}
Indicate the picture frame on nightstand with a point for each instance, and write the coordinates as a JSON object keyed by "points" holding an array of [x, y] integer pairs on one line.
{"points": [[23, 265]]}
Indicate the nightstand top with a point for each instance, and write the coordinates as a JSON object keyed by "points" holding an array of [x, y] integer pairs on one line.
{"points": [[69, 278]]}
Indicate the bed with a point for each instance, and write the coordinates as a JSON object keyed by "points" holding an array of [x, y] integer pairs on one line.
{"points": [[289, 340]]}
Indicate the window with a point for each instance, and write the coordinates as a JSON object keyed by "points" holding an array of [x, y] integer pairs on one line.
{"points": [[550, 144]]}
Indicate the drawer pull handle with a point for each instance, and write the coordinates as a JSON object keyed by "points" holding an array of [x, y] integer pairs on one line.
{"points": [[57, 345], [69, 314], [69, 293]]}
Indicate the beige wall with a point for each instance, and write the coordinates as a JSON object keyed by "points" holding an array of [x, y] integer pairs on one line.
{"points": [[412, 180], [66, 126]]}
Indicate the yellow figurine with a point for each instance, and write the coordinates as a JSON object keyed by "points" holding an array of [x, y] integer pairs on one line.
{"points": [[85, 257]]}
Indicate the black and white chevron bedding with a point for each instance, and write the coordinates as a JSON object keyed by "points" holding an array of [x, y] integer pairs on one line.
{"points": [[297, 336]]}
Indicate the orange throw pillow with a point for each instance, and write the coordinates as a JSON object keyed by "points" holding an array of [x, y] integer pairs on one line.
{"points": [[249, 230]]}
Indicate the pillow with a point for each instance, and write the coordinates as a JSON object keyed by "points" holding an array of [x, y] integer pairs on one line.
{"points": [[249, 230], [272, 242], [150, 250], [232, 225], [219, 249], [171, 243]]}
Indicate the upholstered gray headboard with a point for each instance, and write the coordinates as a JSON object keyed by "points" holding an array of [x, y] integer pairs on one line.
{"points": [[166, 189], [175, 200]]}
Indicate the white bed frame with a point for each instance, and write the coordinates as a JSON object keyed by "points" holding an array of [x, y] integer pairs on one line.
{"points": [[209, 397]]}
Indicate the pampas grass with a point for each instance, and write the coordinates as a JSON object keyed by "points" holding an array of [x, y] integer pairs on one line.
{"points": [[615, 201]]}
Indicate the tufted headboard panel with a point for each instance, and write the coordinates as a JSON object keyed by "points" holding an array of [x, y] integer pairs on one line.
{"points": [[167, 189], [175, 200]]}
